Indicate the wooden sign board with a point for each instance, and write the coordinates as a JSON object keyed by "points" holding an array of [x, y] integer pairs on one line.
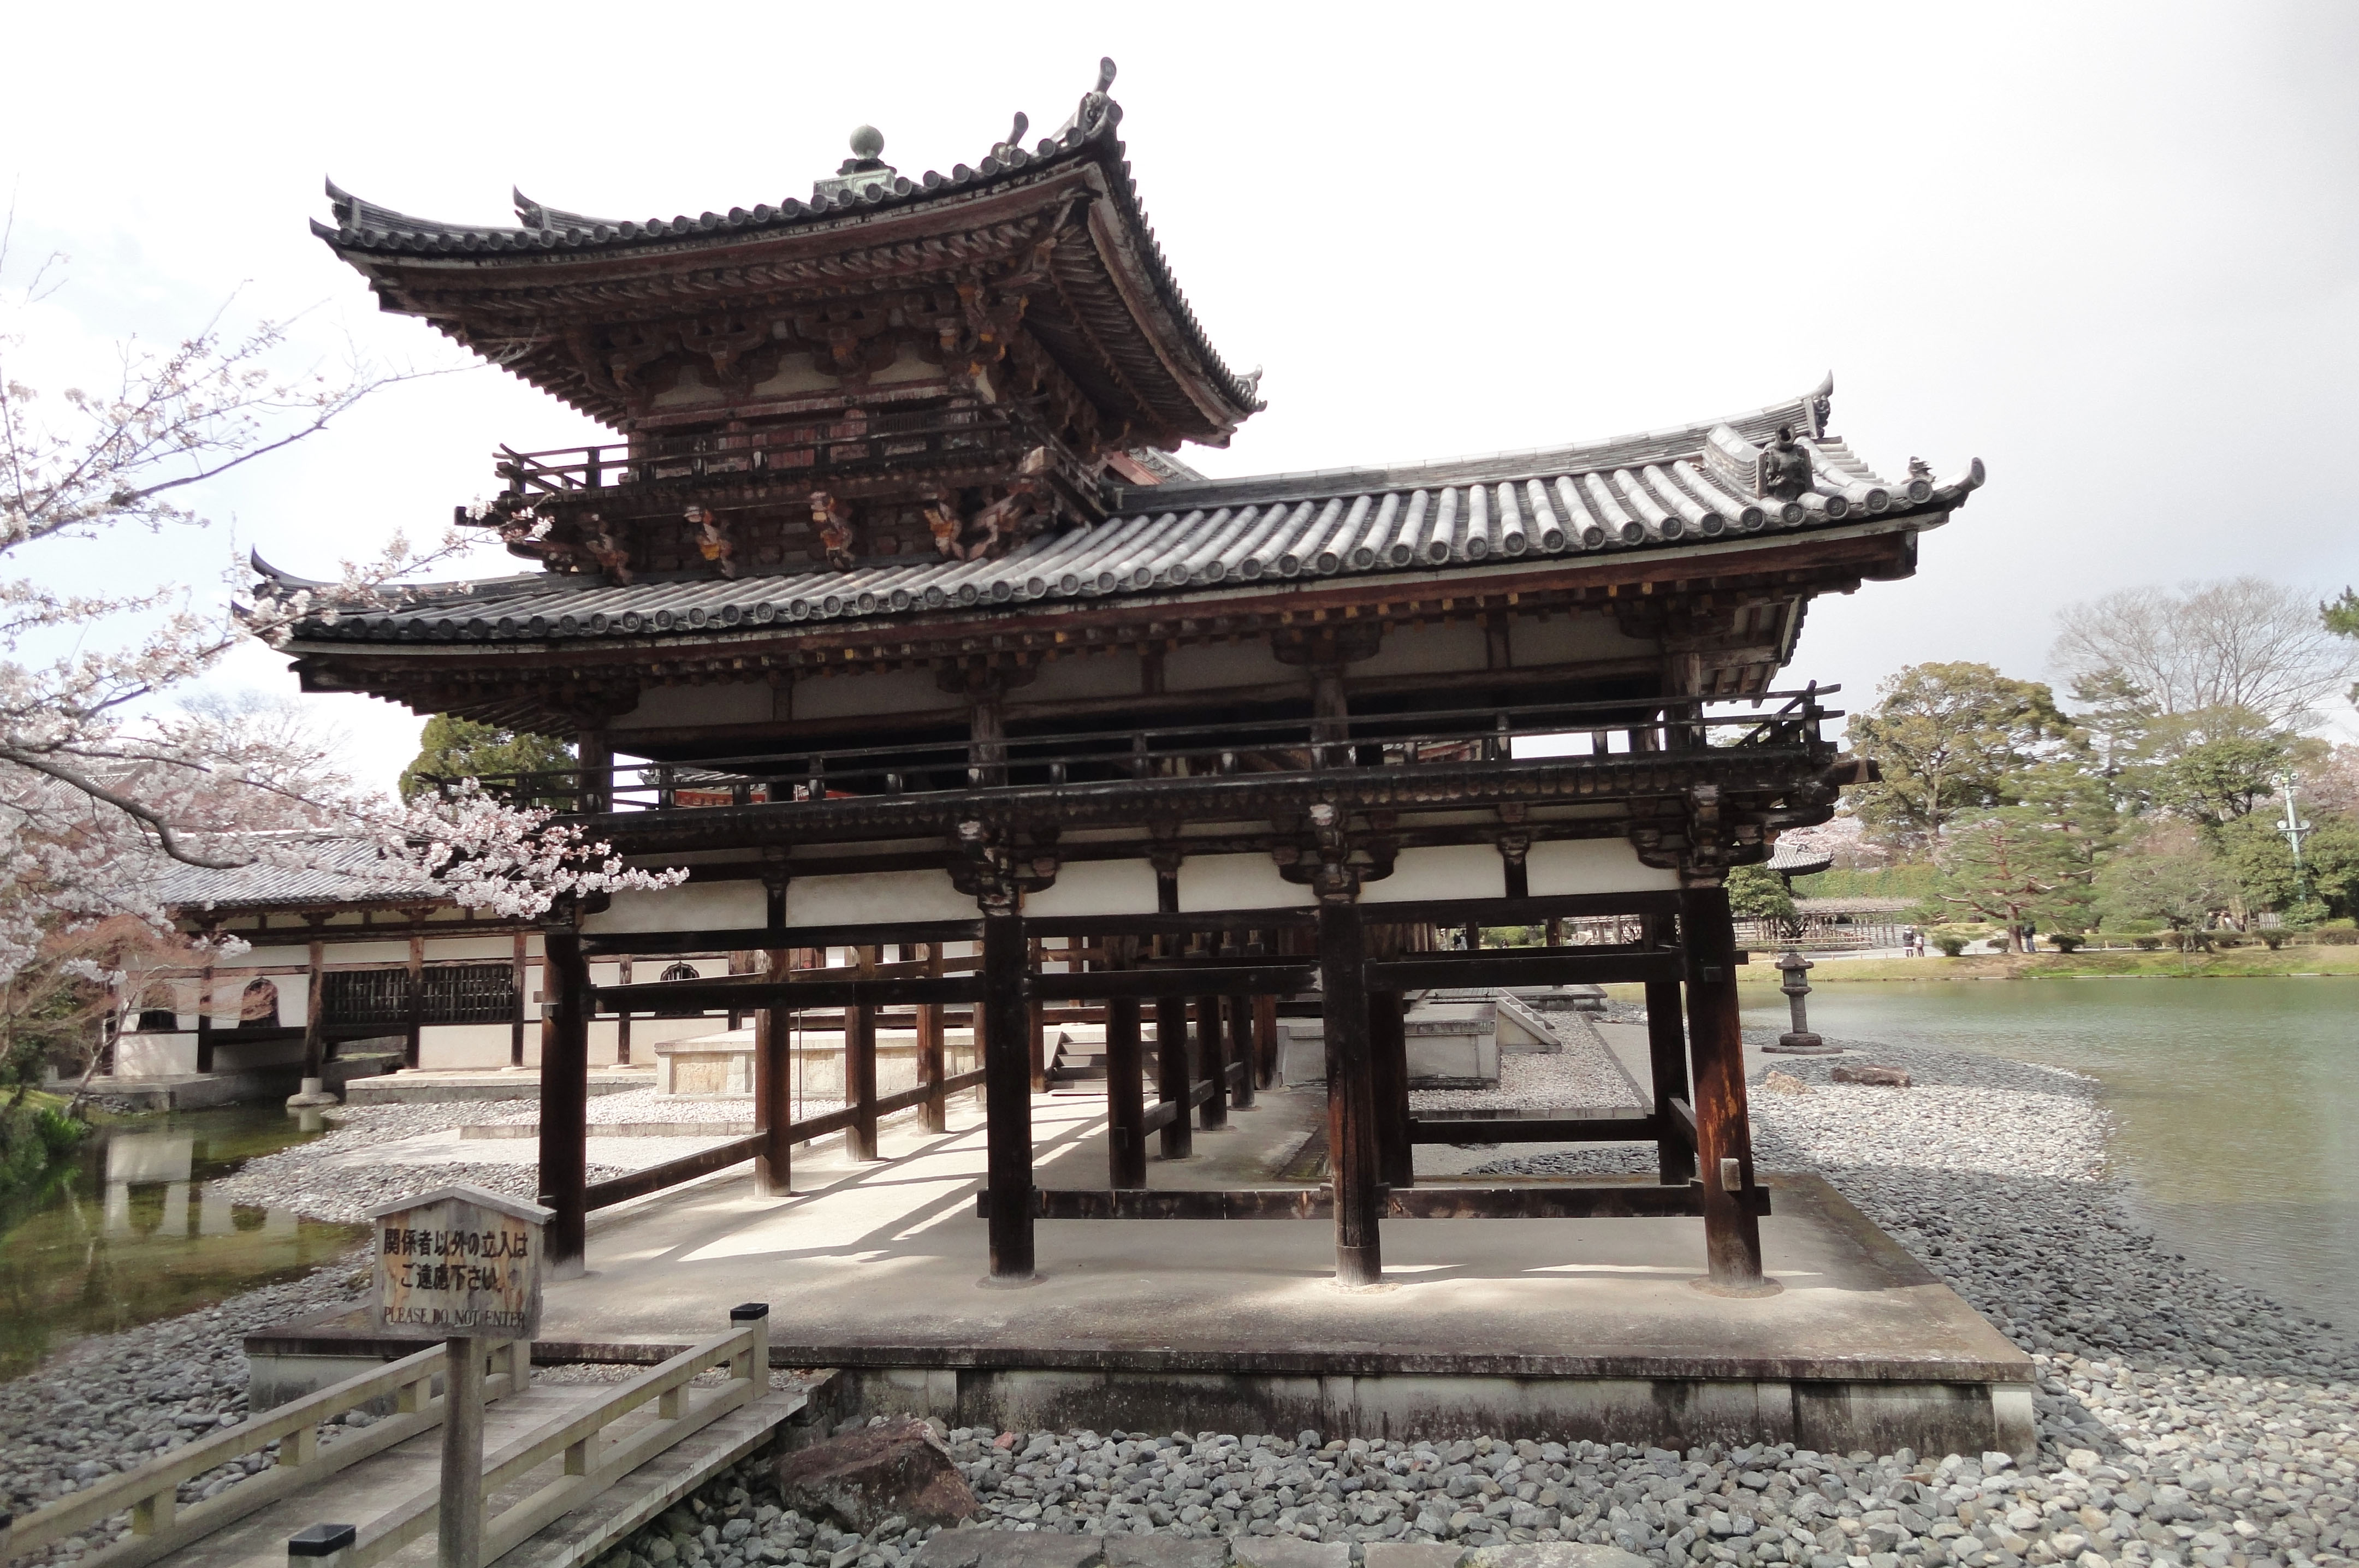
{"points": [[459, 1263]]}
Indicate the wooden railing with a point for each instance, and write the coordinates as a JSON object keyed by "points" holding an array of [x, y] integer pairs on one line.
{"points": [[159, 1527], [594, 1458], [1611, 731]]}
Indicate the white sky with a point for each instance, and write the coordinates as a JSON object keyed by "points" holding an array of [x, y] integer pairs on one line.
{"points": [[2109, 249]]}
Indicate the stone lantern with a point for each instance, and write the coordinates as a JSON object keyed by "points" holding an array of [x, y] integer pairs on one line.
{"points": [[1799, 1041]]}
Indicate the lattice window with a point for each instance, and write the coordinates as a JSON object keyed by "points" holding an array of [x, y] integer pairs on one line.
{"points": [[451, 993]]}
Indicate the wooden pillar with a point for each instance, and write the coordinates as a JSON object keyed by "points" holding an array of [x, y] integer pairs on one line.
{"points": [[1037, 1034], [205, 1020], [315, 1038], [1265, 1028], [596, 759], [1212, 1061], [1351, 1109], [773, 1110], [516, 982], [1388, 1088], [1172, 1074], [564, 1096], [623, 1021], [1007, 998], [415, 1014], [860, 1066], [1666, 1051], [1125, 1096], [935, 1114], [1724, 1139], [1240, 1049]]}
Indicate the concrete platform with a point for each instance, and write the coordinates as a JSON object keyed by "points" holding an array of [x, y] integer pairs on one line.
{"points": [[417, 1088], [1544, 1328], [250, 1086]]}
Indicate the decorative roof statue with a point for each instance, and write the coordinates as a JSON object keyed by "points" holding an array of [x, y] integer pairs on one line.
{"points": [[1785, 466]]}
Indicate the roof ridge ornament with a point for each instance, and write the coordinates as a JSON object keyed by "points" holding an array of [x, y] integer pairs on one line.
{"points": [[1014, 142], [864, 171], [1096, 111]]}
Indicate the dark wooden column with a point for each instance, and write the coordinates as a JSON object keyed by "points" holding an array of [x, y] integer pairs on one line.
{"points": [[1666, 1053], [594, 757], [1240, 1049], [517, 980], [773, 1110], [205, 1020], [1171, 1076], [564, 1096], [1265, 1028], [1006, 1001], [414, 1015], [1212, 1061], [860, 1065], [1037, 1034], [315, 1003], [1723, 1137], [935, 1114], [623, 1020], [1388, 1088], [1351, 1107], [1125, 1096]]}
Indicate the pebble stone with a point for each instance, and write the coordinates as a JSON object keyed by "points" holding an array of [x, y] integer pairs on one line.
{"points": [[2184, 1420]]}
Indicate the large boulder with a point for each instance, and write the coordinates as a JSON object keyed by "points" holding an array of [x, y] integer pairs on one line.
{"points": [[863, 1477]]}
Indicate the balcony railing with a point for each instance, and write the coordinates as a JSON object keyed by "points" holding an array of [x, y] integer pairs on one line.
{"points": [[1621, 728], [799, 449]]}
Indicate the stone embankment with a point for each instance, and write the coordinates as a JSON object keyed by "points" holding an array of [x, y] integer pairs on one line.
{"points": [[2184, 1419]]}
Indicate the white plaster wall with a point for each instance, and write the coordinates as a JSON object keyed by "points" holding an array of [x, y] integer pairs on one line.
{"points": [[232, 1057], [691, 906], [879, 897], [475, 948], [1563, 639], [1097, 887], [1209, 883], [1432, 650], [1083, 675], [140, 1055], [859, 696], [747, 702], [454, 1046], [259, 957], [1211, 665], [1591, 865], [1443, 870]]}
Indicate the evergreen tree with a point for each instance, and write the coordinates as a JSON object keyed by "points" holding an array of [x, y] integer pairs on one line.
{"points": [[1949, 738], [455, 747]]}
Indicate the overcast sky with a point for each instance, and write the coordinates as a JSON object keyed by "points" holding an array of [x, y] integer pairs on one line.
{"points": [[2108, 249]]}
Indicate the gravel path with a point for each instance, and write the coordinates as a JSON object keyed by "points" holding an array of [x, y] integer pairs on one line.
{"points": [[1583, 1074], [2184, 1419]]}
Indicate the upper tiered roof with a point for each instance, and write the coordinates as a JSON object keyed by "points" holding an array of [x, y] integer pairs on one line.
{"points": [[1047, 240]]}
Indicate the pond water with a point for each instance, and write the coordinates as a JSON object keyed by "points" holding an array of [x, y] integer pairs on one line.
{"points": [[2236, 1102], [132, 1231]]}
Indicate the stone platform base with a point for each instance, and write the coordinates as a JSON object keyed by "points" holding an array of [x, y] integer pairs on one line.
{"points": [[1555, 1330]]}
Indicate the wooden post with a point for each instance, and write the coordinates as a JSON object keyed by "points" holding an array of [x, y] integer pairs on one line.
{"points": [[860, 1066], [205, 1020], [1388, 1088], [1172, 1074], [596, 759], [1351, 1110], [774, 1111], [315, 1039], [1008, 1107], [1212, 1061], [416, 1012], [459, 1521], [564, 1098], [1125, 1096], [1240, 1049], [1037, 1034], [623, 1020], [1723, 1140], [1265, 1027], [516, 978], [1666, 1051], [936, 1113]]}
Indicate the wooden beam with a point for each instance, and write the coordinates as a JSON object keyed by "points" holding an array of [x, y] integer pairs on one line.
{"points": [[1537, 1128], [650, 944], [1523, 967], [672, 1172], [1724, 1139], [1596, 1201], [1190, 982], [750, 991]]}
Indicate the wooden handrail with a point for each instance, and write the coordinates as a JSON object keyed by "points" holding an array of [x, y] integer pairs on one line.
{"points": [[159, 1527]]}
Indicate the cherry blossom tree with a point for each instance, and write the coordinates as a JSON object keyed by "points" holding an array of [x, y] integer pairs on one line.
{"points": [[100, 789]]}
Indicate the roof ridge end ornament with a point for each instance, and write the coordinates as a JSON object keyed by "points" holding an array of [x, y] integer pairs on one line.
{"points": [[1096, 111], [1822, 406], [864, 171], [1015, 141]]}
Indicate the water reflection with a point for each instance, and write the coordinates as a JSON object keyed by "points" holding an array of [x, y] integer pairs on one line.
{"points": [[135, 1228]]}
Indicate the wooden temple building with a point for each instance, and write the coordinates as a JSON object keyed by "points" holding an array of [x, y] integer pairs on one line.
{"points": [[891, 615]]}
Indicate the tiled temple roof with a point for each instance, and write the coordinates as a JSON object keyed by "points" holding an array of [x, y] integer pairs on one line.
{"points": [[331, 870], [1652, 491], [364, 229]]}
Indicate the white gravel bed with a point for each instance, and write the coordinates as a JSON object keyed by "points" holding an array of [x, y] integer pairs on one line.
{"points": [[646, 1105], [2184, 1419], [1583, 1074]]}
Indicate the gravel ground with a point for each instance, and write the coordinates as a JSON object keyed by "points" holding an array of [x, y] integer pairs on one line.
{"points": [[644, 1105], [1584, 1073], [2183, 1419]]}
